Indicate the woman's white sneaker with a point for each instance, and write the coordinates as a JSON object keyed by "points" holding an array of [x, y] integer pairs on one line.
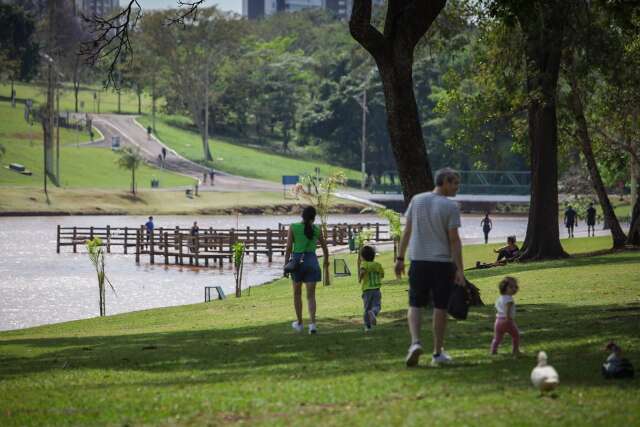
{"points": [[297, 326], [312, 329]]}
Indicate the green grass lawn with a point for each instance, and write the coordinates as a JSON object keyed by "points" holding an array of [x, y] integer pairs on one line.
{"points": [[239, 160], [237, 361], [80, 167], [107, 97]]}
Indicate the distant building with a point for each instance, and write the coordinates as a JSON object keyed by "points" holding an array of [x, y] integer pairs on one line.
{"points": [[96, 7], [255, 9]]}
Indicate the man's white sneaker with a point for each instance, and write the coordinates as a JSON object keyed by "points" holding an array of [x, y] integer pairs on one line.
{"points": [[297, 326], [443, 357], [413, 356], [312, 329], [372, 318]]}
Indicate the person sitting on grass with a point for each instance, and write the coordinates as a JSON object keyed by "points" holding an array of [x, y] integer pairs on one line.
{"points": [[505, 316], [508, 253], [370, 275]]}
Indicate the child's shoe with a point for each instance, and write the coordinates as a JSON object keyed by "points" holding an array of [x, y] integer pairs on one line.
{"points": [[372, 318]]}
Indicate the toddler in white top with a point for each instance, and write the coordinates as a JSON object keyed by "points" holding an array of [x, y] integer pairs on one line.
{"points": [[505, 316]]}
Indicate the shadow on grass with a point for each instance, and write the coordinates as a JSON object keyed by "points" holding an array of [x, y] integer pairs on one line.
{"points": [[573, 336]]}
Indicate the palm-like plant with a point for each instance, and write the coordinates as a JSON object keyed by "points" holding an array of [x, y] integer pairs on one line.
{"points": [[130, 159], [96, 255]]}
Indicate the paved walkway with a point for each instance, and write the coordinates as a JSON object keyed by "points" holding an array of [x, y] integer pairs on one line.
{"points": [[133, 134]]}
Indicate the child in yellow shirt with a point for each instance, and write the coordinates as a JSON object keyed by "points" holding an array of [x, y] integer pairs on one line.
{"points": [[370, 275]]}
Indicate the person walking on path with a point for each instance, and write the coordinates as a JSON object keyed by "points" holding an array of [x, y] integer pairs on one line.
{"points": [[486, 225], [570, 220], [302, 240], [435, 250], [212, 174], [591, 220], [370, 275], [149, 227]]}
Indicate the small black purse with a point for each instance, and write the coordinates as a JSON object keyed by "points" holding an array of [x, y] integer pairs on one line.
{"points": [[293, 266]]}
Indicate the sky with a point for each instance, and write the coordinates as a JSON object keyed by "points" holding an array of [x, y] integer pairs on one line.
{"points": [[231, 5]]}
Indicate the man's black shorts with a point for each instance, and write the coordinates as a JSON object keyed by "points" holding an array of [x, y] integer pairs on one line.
{"points": [[431, 280]]}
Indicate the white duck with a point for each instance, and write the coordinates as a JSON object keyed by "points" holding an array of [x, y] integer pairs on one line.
{"points": [[543, 376]]}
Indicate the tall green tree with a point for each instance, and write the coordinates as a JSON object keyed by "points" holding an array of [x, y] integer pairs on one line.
{"points": [[18, 47]]}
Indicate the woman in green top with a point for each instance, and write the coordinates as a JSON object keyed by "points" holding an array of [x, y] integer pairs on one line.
{"points": [[302, 240]]}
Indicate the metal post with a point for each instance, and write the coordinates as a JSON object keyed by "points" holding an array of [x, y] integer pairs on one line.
{"points": [[364, 136]]}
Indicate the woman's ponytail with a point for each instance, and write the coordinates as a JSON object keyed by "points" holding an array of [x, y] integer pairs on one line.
{"points": [[308, 216]]}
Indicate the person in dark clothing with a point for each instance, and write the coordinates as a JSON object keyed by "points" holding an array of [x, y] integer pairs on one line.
{"points": [[212, 174], [486, 225], [509, 252], [194, 235], [570, 219], [164, 153], [149, 227], [149, 132], [591, 220]]}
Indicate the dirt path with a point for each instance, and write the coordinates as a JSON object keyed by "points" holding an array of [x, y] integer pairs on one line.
{"points": [[133, 134]]}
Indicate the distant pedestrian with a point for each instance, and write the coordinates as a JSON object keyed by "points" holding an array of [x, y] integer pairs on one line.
{"points": [[149, 132], [435, 250], [160, 162], [204, 177], [570, 220], [591, 220], [149, 226], [164, 153], [194, 235], [212, 174], [486, 225]]}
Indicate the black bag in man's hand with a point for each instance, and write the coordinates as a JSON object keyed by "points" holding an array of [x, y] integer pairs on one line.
{"points": [[459, 302], [462, 297]]}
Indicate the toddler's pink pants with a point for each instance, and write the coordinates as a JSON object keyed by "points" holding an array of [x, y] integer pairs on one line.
{"points": [[501, 327]]}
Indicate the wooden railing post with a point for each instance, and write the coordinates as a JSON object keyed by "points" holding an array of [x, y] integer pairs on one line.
{"points": [[75, 240], [126, 239], [377, 231], [108, 239], [166, 248], [58, 240], [269, 245], [138, 244], [152, 249]]}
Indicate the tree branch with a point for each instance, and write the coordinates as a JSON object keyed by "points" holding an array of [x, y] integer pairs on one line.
{"points": [[111, 38], [191, 12], [362, 30], [627, 146]]}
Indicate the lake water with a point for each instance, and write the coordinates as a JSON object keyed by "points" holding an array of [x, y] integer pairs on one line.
{"points": [[38, 286]]}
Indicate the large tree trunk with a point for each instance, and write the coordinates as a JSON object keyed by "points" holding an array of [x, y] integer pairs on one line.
{"points": [[403, 122], [610, 218], [406, 23], [543, 34], [133, 181]]}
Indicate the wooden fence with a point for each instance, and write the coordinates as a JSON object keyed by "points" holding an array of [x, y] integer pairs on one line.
{"points": [[209, 246]]}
